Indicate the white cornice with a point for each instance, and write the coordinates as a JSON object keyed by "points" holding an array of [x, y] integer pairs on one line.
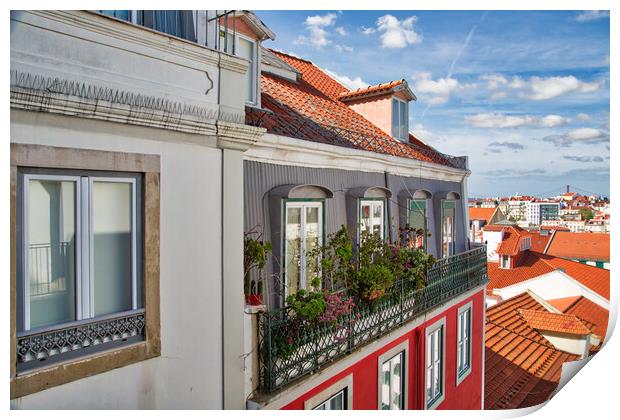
{"points": [[92, 25], [281, 150], [237, 136]]}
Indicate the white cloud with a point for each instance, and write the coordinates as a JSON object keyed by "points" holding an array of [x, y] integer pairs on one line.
{"points": [[584, 135], [589, 15], [343, 48], [355, 83], [553, 121], [499, 120], [318, 37], [537, 88], [541, 88], [582, 116], [341, 31], [397, 33], [435, 91], [495, 120], [368, 31]]}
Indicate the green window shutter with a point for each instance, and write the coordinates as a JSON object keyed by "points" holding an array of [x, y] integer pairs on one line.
{"points": [[417, 214]]}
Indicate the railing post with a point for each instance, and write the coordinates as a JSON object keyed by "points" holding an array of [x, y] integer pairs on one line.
{"points": [[402, 292], [267, 351]]}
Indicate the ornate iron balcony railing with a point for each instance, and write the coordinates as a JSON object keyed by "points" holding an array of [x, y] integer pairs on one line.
{"points": [[290, 348], [38, 348]]}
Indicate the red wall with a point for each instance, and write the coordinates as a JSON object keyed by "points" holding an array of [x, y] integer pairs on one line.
{"points": [[466, 396]]}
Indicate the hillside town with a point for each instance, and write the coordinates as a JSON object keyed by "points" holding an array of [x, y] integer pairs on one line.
{"points": [[199, 221]]}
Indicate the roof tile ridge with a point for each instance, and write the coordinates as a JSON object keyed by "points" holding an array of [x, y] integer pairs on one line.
{"points": [[546, 343]]}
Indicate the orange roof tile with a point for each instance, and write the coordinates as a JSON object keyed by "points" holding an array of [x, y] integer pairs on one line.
{"points": [[547, 321], [310, 110], [374, 90], [539, 242], [580, 246], [522, 368], [534, 264], [589, 311], [563, 304], [480, 213], [511, 240]]}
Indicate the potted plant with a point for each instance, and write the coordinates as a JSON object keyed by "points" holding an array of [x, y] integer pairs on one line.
{"points": [[255, 254]]}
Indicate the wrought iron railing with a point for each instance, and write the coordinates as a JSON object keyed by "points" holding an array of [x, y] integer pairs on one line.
{"points": [[37, 348], [290, 348]]}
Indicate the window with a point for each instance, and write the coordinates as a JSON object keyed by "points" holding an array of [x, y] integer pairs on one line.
{"points": [[400, 119], [335, 402], [463, 343], [372, 217], [338, 396], [448, 228], [243, 47], [393, 383], [80, 255], [435, 356], [82, 240], [417, 220], [504, 261], [526, 243], [304, 236], [179, 23]]}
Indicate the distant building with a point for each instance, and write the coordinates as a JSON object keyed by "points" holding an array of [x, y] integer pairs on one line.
{"points": [[541, 211], [480, 217]]}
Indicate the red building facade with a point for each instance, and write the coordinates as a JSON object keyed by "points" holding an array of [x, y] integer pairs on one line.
{"points": [[358, 380]]}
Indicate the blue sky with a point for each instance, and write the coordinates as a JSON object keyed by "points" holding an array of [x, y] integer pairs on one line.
{"points": [[525, 94]]}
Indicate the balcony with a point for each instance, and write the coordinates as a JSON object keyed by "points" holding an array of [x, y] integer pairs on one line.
{"points": [[291, 347]]}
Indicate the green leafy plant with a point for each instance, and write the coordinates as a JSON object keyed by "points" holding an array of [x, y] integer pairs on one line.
{"points": [[308, 305], [255, 255]]}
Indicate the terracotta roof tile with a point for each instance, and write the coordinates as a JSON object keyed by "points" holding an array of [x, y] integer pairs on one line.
{"points": [[580, 246], [539, 242], [534, 264], [547, 321], [481, 213], [376, 89], [522, 368], [590, 312], [563, 304], [310, 110]]}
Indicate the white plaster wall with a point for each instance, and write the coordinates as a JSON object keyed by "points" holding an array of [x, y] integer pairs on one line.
{"points": [[552, 285], [492, 239], [575, 344], [188, 374]]}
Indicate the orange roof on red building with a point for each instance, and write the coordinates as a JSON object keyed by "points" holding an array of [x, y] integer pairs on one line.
{"points": [[580, 246], [547, 321], [522, 368], [482, 213], [511, 240], [310, 110]]}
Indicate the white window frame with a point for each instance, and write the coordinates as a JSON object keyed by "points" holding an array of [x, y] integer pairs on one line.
{"points": [[464, 342], [372, 203], [344, 384], [400, 123], [450, 250], [253, 65], [303, 281], [84, 263], [504, 261], [440, 328], [400, 349]]}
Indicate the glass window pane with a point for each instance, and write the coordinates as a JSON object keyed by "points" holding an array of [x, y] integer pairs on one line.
{"points": [[365, 218], [395, 115], [385, 386], [337, 402], [246, 50], [403, 120], [396, 386], [51, 246], [312, 243], [293, 249], [112, 246]]}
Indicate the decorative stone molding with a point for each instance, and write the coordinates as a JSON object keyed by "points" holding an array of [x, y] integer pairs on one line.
{"points": [[237, 136]]}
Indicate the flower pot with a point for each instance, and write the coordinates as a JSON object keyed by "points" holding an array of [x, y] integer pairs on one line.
{"points": [[254, 300]]}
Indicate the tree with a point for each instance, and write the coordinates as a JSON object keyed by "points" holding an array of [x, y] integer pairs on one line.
{"points": [[586, 213]]}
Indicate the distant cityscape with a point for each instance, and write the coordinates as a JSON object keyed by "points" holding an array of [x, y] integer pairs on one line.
{"points": [[569, 211]]}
